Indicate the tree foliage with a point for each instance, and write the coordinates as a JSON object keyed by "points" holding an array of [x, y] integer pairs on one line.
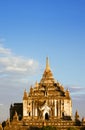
{"points": [[83, 128], [43, 128], [48, 128], [72, 128], [3, 124], [77, 122]]}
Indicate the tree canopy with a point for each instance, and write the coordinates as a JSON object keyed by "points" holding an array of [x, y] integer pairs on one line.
{"points": [[72, 128], [48, 128]]}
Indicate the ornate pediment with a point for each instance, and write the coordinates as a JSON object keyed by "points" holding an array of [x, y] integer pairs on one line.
{"points": [[45, 107]]}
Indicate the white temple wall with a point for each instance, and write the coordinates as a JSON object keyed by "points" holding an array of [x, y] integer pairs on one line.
{"points": [[67, 107], [25, 108]]}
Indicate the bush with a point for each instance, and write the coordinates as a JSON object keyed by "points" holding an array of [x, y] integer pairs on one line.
{"points": [[43, 128], [3, 124], [48, 128], [83, 128], [72, 128], [33, 128], [78, 123]]}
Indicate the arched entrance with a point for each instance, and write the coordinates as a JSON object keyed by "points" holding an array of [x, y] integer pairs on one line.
{"points": [[46, 116]]}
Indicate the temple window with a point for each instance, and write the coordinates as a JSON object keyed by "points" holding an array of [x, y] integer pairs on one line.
{"points": [[29, 113]]}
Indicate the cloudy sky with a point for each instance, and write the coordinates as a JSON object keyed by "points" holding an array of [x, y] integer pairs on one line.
{"points": [[29, 32]]}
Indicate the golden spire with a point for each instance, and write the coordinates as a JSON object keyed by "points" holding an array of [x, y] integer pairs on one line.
{"points": [[47, 64]]}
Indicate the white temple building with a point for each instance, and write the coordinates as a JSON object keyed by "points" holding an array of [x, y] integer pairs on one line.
{"points": [[47, 99]]}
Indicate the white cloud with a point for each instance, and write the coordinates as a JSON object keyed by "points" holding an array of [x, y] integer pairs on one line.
{"points": [[16, 70], [4, 50], [11, 64], [1, 104], [15, 75], [77, 92]]}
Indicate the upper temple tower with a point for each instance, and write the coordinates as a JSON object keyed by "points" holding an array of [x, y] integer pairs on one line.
{"points": [[47, 75]]}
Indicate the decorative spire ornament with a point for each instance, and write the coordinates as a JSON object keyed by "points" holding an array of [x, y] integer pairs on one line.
{"points": [[47, 64]]}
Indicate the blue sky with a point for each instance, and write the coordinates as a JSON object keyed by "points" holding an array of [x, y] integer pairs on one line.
{"points": [[30, 31]]}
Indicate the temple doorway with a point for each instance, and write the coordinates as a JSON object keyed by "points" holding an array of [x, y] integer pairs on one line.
{"points": [[46, 116]]}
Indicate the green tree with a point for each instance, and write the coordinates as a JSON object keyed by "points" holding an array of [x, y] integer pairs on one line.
{"points": [[48, 128], [34, 128], [3, 124], [83, 128], [72, 128]]}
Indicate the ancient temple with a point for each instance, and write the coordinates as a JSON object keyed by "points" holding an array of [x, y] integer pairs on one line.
{"points": [[47, 99]]}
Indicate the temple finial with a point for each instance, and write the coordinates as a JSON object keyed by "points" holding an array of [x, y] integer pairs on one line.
{"points": [[47, 64]]}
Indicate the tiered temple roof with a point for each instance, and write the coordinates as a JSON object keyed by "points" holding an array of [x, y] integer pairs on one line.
{"points": [[47, 86]]}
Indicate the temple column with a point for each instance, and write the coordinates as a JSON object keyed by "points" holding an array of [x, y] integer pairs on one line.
{"points": [[55, 109], [33, 109], [58, 108], [36, 111]]}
